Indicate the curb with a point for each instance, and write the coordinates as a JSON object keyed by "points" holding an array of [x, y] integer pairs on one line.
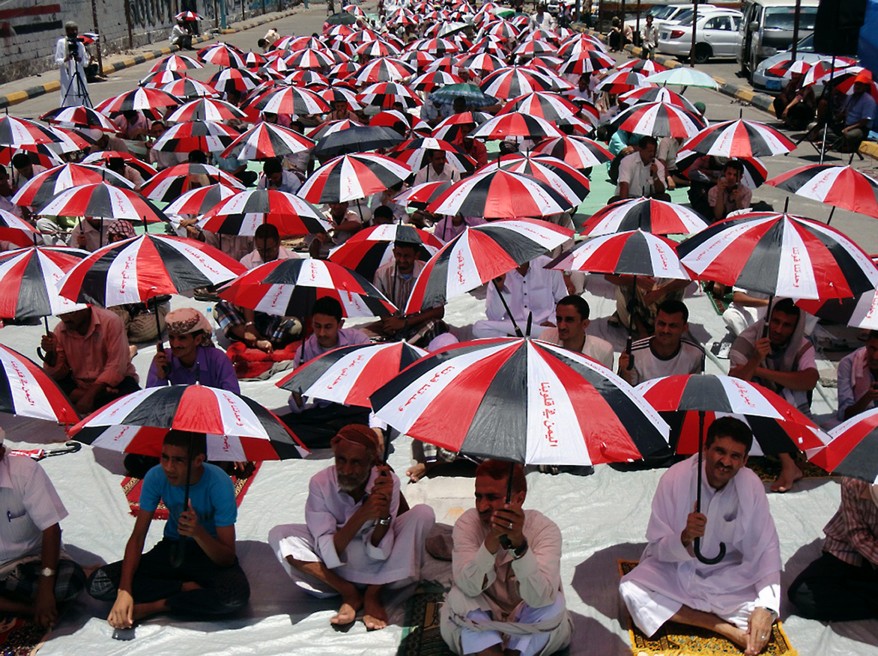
{"points": [[122, 63]]}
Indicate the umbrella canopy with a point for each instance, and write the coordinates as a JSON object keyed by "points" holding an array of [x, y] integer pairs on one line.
{"points": [[839, 186], [187, 88], [384, 69], [222, 54], [656, 94], [552, 108], [648, 214], [29, 281], [135, 270], [175, 63], [387, 94], [104, 156], [356, 140], [516, 125], [237, 427], [205, 109], [521, 400], [206, 136], [858, 312], [564, 179], [44, 186], [266, 141], [352, 177], [515, 81], [17, 231], [780, 254], [17, 132], [480, 254], [423, 194], [415, 153], [168, 184], [621, 81], [292, 100], [199, 200], [683, 76], [578, 152], [659, 120], [141, 98], [368, 250], [103, 200], [79, 116], [851, 448], [739, 138], [644, 66], [290, 287], [244, 212], [26, 390]]}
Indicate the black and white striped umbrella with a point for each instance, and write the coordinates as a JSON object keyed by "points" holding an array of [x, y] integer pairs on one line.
{"points": [[659, 120], [739, 138]]}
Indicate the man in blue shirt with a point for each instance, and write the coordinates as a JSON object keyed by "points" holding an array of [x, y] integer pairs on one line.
{"points": [[858, 113], [194, 569]]}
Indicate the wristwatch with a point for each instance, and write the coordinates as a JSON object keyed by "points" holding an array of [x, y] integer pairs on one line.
{"points": [[519, 551], [47, 572], [384, 521]]}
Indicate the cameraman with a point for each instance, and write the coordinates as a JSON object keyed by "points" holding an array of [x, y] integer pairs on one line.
{"points": [[729, 194], [71, 58]]}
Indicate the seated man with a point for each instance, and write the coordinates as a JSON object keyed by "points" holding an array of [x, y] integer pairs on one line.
{"points": [[637, 305], [571, 315], [746, 309], [448, 227], [667, 352], [738, 597], [506, 596], [317, 422], [528, 289], [729, 194], [275, 177], [194, 569], [842, 584], [395, 280], [641, 174], [88, 356], [354, 541], [437, 168], [344, 223], [35, 576], [784, 362], [858, 379], [857, 115]]}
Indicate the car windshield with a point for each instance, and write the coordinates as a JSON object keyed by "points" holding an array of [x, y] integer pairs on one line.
{"points": [[684, 17], [660, 13], [783, 18]]}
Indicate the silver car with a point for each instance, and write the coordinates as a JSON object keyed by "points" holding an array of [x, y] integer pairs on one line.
{"points": [[717, 35], [762, 79]]}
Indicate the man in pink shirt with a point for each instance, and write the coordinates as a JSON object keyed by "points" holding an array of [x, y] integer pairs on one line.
{"points": [[88, 356]]}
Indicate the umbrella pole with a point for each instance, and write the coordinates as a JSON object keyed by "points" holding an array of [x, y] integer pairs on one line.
{"points": [[508, 311], [504, 540], [831, 212], [630, 339], [767, 315], [178, 552], [697, 544]]}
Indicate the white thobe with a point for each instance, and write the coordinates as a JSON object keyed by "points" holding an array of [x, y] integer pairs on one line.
{"points": [[594, 347], [70, 90], [669, 576], [429, 174]]}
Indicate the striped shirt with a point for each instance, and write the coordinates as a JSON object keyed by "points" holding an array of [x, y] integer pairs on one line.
{"points": [[852, 533], [688, 359]]}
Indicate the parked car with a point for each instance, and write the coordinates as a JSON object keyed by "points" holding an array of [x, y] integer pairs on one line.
{"points": [[717, 35], [762, 79], [662, 14], [768, 28]]}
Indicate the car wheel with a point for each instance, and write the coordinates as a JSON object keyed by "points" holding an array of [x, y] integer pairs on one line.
{"points": [[703, 53]]}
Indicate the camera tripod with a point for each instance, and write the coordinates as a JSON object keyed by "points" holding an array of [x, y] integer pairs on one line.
{"points": [[80, 90]]}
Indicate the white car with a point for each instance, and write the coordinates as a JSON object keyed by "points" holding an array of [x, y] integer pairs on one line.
{"points": [[717, 36], [762, 79], [663, 14]]}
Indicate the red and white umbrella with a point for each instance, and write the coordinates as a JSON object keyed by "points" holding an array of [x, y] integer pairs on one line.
{"points": [[311, 58], [244, 212], [483, 63], [105, 201], [206, 136], [168, 184], [480, 254], [306, 78], [79, 116], [644, 66], [237, 428], [387, 94], [839, 186], [29, 281], [159, 79], [550, 107], [515, 81], [290, 287], [581, 42], [26, 390], [266, 141], [851, 448], [240, 78], [175, 63], [521, 400], [135, 270], [648, 214], [586, 61], [656, 94], [497, 193], [622, 81], [433, 80], [340, 94], [858, 312], [188, 16], [780, 254], [222, 54], [660, 120], [786, 68], [292, 100], [187, 88], [370, 249], [415, 153], [139, 99], [516, 125], [199, 200], [104, 156], [17, 231], [561, 177], [578, 152], [17, 132], [349, 375], [352, 177], [384, 69], [423, 194], [205, 109], [739, 138], [377, 48], [44, 186]]}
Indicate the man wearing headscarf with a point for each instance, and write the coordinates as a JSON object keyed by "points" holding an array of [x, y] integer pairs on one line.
{"points": [[354, 542], [780, 357]]}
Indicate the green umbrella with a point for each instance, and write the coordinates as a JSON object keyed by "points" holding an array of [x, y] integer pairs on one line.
{"points": [[469, 92], [342, 18]]}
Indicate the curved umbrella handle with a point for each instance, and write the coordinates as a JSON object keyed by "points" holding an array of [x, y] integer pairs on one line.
{"points": [[705, 559]]}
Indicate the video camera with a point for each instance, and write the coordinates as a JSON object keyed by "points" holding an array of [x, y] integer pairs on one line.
{"points": [[73, 47]]}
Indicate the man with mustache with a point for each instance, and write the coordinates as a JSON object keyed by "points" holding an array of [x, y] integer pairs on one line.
{"points": [[738, 597], [354, 542]]}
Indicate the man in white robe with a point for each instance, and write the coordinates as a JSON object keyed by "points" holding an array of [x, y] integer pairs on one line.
{"points": [[354, 541], [74, 88], [505, 597], [738, 597]]}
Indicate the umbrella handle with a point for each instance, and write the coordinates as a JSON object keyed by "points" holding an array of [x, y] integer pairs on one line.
{"points": [[709, 561], [628, 343]]}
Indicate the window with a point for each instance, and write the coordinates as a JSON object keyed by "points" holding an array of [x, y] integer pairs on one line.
{"points": [[713, 23], [783, 18]]}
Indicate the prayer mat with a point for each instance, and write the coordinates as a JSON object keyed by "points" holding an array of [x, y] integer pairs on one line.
{"points": [[768, 469], [20, 637], [421, 636], [131, 487], [680, 640], [720, 305]]}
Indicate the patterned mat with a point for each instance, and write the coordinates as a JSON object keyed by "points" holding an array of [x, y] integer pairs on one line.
{"points": [[681, 640], [421, 636], [131, 487], [20, 637]]}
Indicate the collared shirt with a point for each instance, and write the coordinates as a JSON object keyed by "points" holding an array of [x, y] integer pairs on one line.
{"points": [[289, 183], [429, 174], [212, 368], [253, 259], [852, 533], [853, 367], [94, 237], [633, 171], [29, 505], [537, 292], [858, 108], [396, 286], [311, 348], [99, 356]]}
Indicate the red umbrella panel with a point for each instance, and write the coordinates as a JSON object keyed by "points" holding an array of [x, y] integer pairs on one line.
{"points": [[353, 177], [579, 152], [27, 391], [655, 216], [17, 231], [170, 183], [244, 212], [852, 448], [266, 141], [521, 400], [839, 186], [29, 280], [739, 139], [105, 201], [44, 186]]}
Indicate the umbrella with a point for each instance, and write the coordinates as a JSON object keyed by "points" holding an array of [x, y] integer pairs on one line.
{"points": [[206, 136], [17, 231], [482, 63], [561, 177], [29, 278], [99, 199], [175, 63], [356, 140], [656, 94], [780, 254], [480, 254], [521, 400], [850, 451], [40, 154], [739, 138], [104, 156], [328, 127], [648, 214], [858, 312], [205, 109], [17, 132], [497, 193], [755, 172], [188, 16], [352, 177], [515, 81], [244, 212], [368, 250], [292, 100], [587, 61], [839, 186], [621, 81], [186, 88], [290, 287], [423, 194], [141, 98], [704, 393], [79, 116], [387, 94], [431, 81], [515, 125], [44, 186], [414, 153], [578, 152], [26, 390], [786, 68], [222, 54], [644, 66], [199, 200], [341, 18], [683, 76], [550, 107], [169, 184], [660, 120], [471, 94], [241, 79], [265, 141], [383, 69]]}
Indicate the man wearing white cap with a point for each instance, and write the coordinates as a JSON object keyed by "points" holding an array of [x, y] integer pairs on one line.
{"points": [[71, 58]]}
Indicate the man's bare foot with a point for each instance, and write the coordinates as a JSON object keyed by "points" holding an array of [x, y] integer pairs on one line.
{"points": [[789, 474], [374, 615], [347, 612]]}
